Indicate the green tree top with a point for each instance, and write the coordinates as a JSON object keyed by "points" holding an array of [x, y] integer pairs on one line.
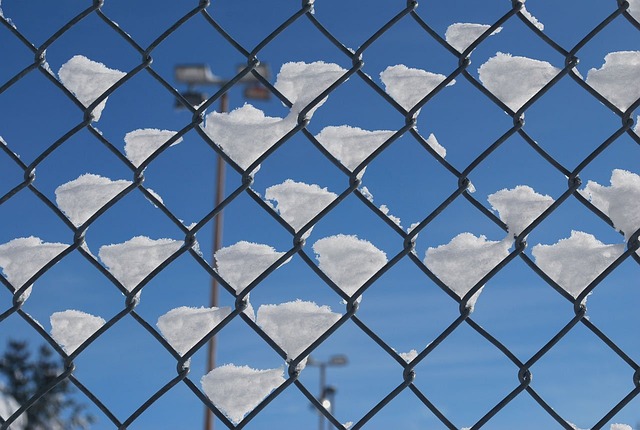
{"points": [[24, 376]]}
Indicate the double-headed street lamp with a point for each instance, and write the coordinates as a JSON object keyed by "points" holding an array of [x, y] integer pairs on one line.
{"points": [[327, 392], [200, 75]]}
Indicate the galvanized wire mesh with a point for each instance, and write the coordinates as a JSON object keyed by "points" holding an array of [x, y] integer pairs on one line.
{"points": [[522, 366]]}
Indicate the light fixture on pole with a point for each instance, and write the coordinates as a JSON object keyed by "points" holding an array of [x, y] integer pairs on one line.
{"points": [[199, 75], [196, 74]]}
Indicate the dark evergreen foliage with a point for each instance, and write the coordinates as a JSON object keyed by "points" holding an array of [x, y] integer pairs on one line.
{"points": [[24, 376]]}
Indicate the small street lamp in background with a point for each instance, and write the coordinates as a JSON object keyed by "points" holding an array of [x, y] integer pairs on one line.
{"points": [[200, 75], [327, 392]]}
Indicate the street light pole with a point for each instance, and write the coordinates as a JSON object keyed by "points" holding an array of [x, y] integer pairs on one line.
{"points": [[217, 244], [327, 393], [201, 75], [330, 395], [323, 383]]}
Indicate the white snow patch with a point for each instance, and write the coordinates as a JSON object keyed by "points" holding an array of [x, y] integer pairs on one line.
{"points": [[302, 82], [156, 195], [634, 10], [21, 258], [85, 248], [81, 198], [184, 327], [461, 35], [366, 193], [71, 328], [383, 208], [9, 405], [412, 227], [4, 142], [131, 261], [348, 261], [465, 260], [244, 134], [408, 86], [10, 22], [298, 202], [352, 145], [618, 80], [573, 263], [408, 356], [48, 69], [295, 325], [249, 311], [514, 80], [396, 220], [620, 201], [575, 427], [471, 188], [532, 19], [141, 143], [237, 390], [88, 80], [519, 206], [241, 263], [435, 145], [620, 427]]}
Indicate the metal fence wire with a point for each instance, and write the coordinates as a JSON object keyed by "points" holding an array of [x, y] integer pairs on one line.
{"points": [[407, 376]]}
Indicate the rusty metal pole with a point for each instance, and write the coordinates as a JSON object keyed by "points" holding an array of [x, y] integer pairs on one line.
{"points": [[217, 244]]}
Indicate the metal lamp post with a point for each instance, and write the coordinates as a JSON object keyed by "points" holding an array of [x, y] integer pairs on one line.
{"points": [[327, 392], [198, 75]]}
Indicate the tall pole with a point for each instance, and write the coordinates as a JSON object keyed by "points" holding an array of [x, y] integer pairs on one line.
{"points": [[323, 382], [217, 244], [326, 397]]}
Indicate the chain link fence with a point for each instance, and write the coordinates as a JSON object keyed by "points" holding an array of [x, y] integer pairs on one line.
{"points": [[440, 272]]}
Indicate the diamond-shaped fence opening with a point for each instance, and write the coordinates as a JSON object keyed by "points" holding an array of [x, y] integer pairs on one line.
{"points": [[286, 215]]}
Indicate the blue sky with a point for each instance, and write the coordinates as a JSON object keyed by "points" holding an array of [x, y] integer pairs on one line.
{"points": [[465, 376]]}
